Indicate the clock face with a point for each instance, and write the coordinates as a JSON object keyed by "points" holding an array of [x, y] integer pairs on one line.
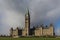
{"points": [[26, 15]]}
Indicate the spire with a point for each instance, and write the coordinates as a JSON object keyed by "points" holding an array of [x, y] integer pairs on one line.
{"points": [[17, 28], [11, 28], [51, 24], [27, 12]]}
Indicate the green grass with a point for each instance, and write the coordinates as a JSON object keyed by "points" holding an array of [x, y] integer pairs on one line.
{"points": [[25, 38]]}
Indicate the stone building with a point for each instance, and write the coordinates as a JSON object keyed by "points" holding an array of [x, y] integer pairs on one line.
{"points": [[44, 31], [35, 31], [48, 31], [15, 32]]}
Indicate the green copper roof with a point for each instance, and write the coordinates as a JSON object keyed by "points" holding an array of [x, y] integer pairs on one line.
{"points": [[27, 12]]}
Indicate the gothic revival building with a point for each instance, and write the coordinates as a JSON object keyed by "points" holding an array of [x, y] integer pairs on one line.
{"points": [[35, 31], [25, 31]]}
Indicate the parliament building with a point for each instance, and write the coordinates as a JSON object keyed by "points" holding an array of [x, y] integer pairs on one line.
{"points": [[35, 31]]}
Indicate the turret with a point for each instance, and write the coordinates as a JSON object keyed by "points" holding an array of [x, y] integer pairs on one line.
{"points": [[11, 32]]}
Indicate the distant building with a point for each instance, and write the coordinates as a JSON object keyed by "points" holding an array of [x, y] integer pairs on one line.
{"points": [[44, 31], [15, 32], [35, 31]]}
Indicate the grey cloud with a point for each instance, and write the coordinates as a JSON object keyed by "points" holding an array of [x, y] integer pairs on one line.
{"points": [[18, 5], [41, 8]]}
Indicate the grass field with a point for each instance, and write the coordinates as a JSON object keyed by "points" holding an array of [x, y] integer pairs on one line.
{"points": [[33, 38]]}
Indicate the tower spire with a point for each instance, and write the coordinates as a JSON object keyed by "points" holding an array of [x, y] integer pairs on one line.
{"points": [[27, 12], [27, 22]]}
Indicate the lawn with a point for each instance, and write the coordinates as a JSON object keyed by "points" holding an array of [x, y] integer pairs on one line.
{"points": [[33, 38]]}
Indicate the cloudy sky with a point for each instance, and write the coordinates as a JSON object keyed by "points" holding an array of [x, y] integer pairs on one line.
{"points": [[12, 13]]}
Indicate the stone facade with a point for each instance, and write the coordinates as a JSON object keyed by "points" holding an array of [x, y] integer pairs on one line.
{"points": [[35, 31], [48, 31], [38, 31], [15, 33], [44, 31]]}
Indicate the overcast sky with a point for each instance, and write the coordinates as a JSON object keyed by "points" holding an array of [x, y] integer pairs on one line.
{"points": [[12, 13]]}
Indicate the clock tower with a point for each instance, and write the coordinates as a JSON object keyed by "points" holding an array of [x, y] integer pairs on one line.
{"points": [[27, 23]]}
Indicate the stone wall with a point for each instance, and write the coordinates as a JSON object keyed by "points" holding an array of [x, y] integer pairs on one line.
{"points": [[38, 31], [44, 32], [15, 33]]}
